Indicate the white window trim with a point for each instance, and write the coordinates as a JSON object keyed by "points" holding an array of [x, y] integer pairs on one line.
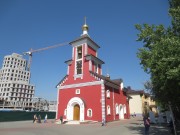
{"points": [[65, 112], [68, 70], [117, 108], [75, 71], [88, 112], [90, 65], [108, 94], [108, 110], [78, 91]]}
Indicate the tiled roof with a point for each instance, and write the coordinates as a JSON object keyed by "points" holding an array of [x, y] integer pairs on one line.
{"points": [[119, 81], [107, 80], [129, 91]]}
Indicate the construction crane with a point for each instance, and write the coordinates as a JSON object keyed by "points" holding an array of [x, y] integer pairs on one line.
{"points": [[41, 49]]}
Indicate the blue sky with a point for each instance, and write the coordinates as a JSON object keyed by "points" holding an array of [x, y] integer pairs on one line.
{"points": [[26, 24]]}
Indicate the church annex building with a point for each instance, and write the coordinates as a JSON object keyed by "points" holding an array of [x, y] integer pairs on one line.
{"points": [[84, 93]]}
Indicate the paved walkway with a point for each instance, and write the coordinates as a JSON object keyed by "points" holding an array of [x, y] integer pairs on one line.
{"points": [[123, 127]]}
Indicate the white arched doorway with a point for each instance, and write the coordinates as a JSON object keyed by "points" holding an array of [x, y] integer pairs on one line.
{"points": [[75, 109], [121, 112]]}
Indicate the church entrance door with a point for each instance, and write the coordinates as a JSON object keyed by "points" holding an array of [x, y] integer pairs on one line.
{"points": [[76, 113]]}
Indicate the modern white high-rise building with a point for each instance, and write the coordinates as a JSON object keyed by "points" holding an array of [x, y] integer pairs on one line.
{"points": [[15, 88]]}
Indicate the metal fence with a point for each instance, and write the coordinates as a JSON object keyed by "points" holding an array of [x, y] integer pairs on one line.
{"points": [[22, 115]]}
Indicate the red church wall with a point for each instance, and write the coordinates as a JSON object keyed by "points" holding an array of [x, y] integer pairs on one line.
{"points": [[93, 68], [125, 102], [86, 74], [91, 51], [109, 101], [127, 115], [90, 95], [119, 98]]}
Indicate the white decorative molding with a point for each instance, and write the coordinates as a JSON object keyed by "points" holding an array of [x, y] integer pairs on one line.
{"points": [[73, 53], [86, 49], [96, 77], [68, 70], [90, 65], [122, 85], [103, 101], [78, 76], [57, 102], [113, 105], [65, 79], [81, 84], [85, 41]]}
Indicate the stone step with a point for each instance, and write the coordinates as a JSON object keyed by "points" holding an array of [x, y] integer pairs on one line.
{"points": [[72, 122], [76, 122], [88, 122]]}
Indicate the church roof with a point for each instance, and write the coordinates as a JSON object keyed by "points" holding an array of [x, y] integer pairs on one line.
{"points": [[62, 80], [84, 37], [68, 61], [112, 83], [92, 57], [119, 81], [107, 81]]}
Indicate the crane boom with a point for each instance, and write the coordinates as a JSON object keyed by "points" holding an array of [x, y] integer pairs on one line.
{"points": [[40, 49]]}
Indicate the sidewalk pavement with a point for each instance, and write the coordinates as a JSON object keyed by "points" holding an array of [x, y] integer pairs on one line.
{"points": [[132, 126]]}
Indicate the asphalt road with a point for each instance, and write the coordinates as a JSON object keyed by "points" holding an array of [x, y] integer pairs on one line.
{"points": [[132, 126]]}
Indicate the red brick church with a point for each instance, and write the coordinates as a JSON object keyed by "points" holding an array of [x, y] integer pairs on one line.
{"points": [[84, 93]]}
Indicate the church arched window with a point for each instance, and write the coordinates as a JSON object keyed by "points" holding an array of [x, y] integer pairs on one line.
{"points": [[117, 108], [79, 60], [108, 110], [89, 112], [108, 94]]}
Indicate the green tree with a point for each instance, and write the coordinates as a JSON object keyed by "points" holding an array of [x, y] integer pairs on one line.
{"points": [[160, 56]]}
